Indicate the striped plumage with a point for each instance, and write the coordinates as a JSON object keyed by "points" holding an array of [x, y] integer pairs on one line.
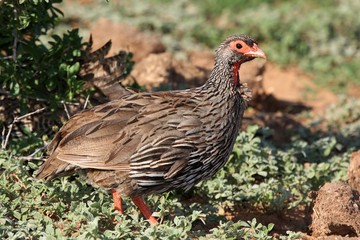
{"points": [[148, 143]]}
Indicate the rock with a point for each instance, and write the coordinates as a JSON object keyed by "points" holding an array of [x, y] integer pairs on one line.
{"points": [[354, 171], [163, 72], [203, 60], [336, 211], [125, 37]]}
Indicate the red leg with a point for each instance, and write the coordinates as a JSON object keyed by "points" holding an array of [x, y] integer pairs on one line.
{"points": [[139, 202], [117, 201]]}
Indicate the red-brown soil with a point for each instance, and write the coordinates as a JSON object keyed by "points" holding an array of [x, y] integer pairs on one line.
{"points": [[336, 211]]}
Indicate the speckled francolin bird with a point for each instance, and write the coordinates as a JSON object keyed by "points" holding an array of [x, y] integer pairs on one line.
{"points": [[150, 143]]}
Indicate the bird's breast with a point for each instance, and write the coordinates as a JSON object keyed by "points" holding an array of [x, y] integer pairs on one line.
{"points": [[220, 132]]}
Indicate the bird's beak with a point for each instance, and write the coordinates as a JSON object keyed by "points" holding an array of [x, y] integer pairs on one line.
{"points": [[255, 52]]}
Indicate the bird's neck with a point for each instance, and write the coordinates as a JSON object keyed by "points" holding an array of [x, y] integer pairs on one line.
{"points": [[224, 77]]}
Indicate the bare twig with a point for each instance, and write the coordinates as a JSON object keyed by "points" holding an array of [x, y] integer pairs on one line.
{"points": [[86, 101], [15, 35], [13, 175], [32, 156], [7, 57], [3, 135], [66, 110], [38, 150], [29, 158], [6, 139], [29, 114], [17, 119]]}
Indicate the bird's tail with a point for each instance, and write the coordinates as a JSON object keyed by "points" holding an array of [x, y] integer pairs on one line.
{"points": [[53, 168]]}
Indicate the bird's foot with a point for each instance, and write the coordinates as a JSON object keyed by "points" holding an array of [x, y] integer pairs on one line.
{"points": [[144, 209]]}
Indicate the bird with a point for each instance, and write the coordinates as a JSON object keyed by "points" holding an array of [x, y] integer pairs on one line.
{"points": [[153, 142]]}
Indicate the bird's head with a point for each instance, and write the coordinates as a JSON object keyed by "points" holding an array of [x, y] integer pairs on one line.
{"points": [[236, 50], [239, 49]]}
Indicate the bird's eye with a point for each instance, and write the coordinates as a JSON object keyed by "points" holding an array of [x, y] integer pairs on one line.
{"points": [[238, 46]]}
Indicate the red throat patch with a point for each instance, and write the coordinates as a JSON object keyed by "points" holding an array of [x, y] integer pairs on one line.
{"points": [[236, 67]]}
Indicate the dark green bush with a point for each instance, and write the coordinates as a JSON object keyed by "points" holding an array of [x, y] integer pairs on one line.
{"points": [[32, 67]]}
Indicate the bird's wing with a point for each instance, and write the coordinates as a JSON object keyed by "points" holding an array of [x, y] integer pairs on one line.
{"points": [[131, 135], [88, 139]]}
